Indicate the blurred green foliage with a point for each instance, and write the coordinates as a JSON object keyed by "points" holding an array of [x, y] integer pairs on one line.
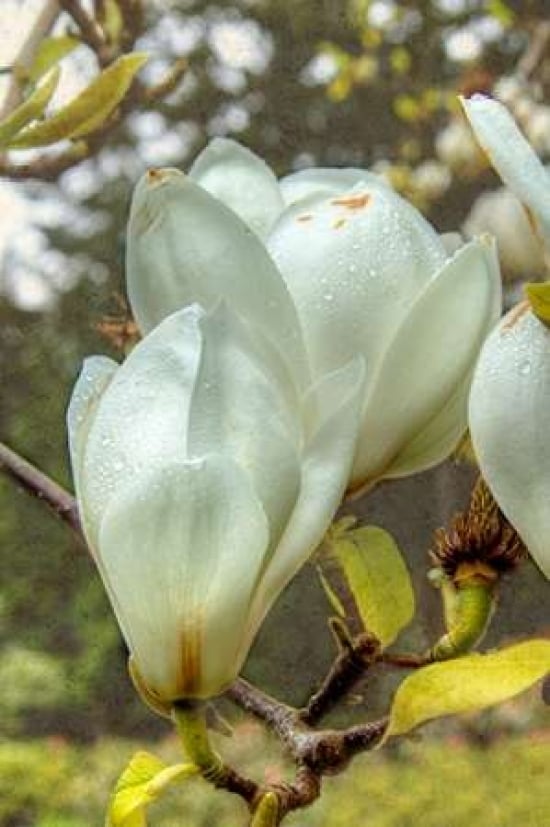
{"points": [[450, 782]]}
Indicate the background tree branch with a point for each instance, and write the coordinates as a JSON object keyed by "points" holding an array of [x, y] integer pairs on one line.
{"points": [[26, 52]]}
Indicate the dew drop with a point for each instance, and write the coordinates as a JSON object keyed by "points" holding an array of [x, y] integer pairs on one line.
{"points": [[525, 367]]}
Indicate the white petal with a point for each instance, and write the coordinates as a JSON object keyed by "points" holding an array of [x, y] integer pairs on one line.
{"points": [[185, 246], [241, 180], [438, 439], [353, 263], [325, 468], [511, 155], [97, 372], [182, 548], [244, 406], [326, 181], [141, 421], [431, 355], [510, 425]]}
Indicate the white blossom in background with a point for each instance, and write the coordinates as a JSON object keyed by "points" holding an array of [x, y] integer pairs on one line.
{"points": [[509, 409], [455, 147], [500, 213], [368, 276], [431, 179]]}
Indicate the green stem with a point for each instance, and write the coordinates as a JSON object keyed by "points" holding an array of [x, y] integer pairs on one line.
{"points": [[471, 615], [190, 720], [266, 813]]}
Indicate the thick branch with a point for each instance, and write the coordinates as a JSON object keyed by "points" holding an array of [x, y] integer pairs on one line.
{"points": [[41, 486], [328, 750]]}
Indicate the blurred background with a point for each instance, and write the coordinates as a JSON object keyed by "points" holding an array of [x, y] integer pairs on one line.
{"points": [[302, 83]]}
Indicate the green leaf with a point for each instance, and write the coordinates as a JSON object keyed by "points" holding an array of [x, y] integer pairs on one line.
{"points": [[49, 53], [112, 20], [87, 111], [143, 780], [266, 813], [30, 109], [501, 11], [538, 296], [377, 577], [468, 683]]}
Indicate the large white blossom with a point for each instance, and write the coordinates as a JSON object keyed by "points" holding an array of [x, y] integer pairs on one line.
{"points": [[339, 256], [205, 477]]}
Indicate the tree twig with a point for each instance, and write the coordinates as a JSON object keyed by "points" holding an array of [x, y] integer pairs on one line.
{"points": [[49, 167], [403, 661], [347, 669], [90, 31], [43, 22], [41, 486], [536, 50]]}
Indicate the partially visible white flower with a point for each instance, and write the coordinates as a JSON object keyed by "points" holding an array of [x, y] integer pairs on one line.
{"points": [[347, 268], [510, 425], [204, 480], [509, 409], [512, 157]]}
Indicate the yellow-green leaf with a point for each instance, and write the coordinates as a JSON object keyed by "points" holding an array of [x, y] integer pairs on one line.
{"points": [[143, 780], [87, 111], [539, 299], [501, 11], [49, 53], [377, 578], [30, 109], [112, 20], [266, 813], [468, 683]]}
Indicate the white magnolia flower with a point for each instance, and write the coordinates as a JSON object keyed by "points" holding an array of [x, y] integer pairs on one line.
{"points": [[512, 157], [510, 425], [204, 480], [340, 255], [510, 397]]}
